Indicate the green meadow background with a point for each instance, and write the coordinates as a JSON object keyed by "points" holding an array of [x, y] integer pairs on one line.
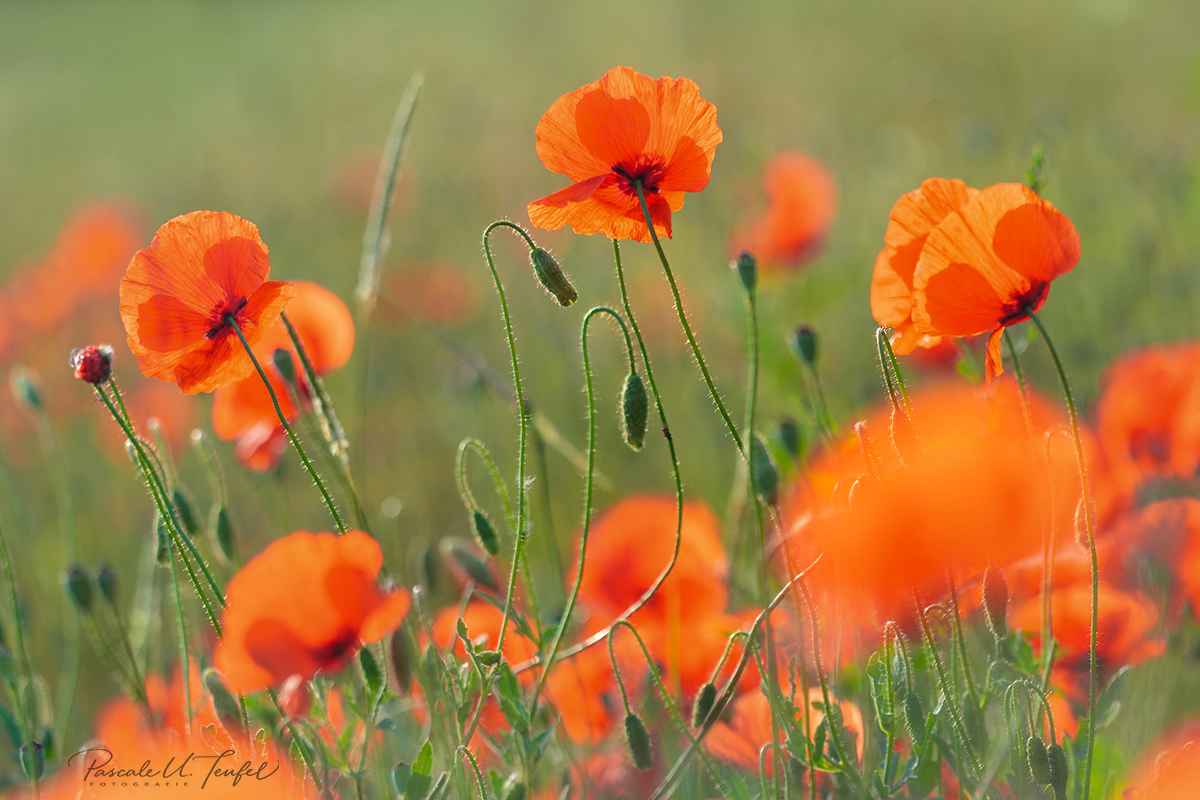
{"points": [[277, 111]]}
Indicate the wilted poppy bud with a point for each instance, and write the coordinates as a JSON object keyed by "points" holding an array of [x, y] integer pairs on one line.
{"points": [[187, 516], [106, 577], [1058, 770], [995, 601], [747, 270], [634, 410], [639, 742], [790, 437], [222, 529], [79, 587], [551, 276], [33, 759], [804, 344], [92, 364], [282, 359], [764, 476], [294, 697], [914, 716], [25, 390], [401, 661], [703, 704], [224, 703], [1039, 760], [485, 532], [460, 554]]}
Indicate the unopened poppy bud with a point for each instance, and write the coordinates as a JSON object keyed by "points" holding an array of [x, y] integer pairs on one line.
{"points": [[790, 437], [459, 552], [282, 359], [401, 656], [485, 532], [914, 716], [1058, 770], [764, 476], [1039, 760], [187, 515], [428, 562], [995, 601], [92, 364], [222, 528], [294, 697], [747, 269], [1081, 523], [163, 554], [804, 344], [33, 759], [106, 577], [79, 587], [639, 741], [703, 704], [551, 276], [635, 407], [25, 389], [370, 668], [224, 703]]}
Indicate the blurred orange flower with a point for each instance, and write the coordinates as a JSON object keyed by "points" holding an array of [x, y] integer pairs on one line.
{"points": [[178, 293], [913, 218], [442, 294], [989, 263], [243, 410], [1168, 769], [611, 134], [801, 201], [303, 606]]}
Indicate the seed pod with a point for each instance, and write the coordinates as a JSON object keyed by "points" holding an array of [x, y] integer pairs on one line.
{"points": [[1058, 769], [914, 716], [639, 742], [995, 601], [33, 759], [222, 531], [106, 577], [551, 276], [485, 532], [635, 408], [187, 516], [703, 705], [804, 344], [763, 474], [79, 587], [746, 267], [789, 435], [1039, 760], [401, 661], [282, 359], [224, 703]]}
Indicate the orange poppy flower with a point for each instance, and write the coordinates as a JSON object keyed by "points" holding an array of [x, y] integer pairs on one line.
{"points": [[913, 218], [801, 201], [243, 410], [989, 263], [1148, 416], [177, 294], [303, 606], [584, 690], [1169, 768], [606, 136]]}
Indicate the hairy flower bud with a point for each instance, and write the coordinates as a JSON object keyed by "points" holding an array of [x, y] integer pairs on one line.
{"points": [[79, 587], [746, 267], [282, 359], [635, 408], [106, 577], [187, 515], [485, 532], [222, 531], [703, 705], [92, 364], [639, 742], [25, 389], [224, 703], [551, 276], [1039, 760], [460, 553], [790, 437], [33, 759], [1058, 770], [764, 476], [914, 716], [995, 601], [804, 344]]}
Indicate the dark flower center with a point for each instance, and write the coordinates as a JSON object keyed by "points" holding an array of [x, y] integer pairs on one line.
{"points": [[650, 171], [220, 317], [336, 652], [1019, 308]]}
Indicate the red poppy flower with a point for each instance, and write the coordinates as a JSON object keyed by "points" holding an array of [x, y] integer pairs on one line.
{"points": [[989, 263], [178, 293], [802, 198], [624, 128], [243, 410], [913, 218], [304, 606], [1169, 768]]}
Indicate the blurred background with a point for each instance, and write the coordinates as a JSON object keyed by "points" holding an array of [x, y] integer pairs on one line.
{"points": [[278, 112]]}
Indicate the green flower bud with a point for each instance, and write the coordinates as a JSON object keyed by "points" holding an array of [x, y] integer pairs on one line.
{"points": [[187, 516], [485, 532], [764, 476], [635, 407], [1039, 760], [747, 269], [639, 742], [804, 344], [551, 276], [1058, 770], [222, 532], [791, 438], [33, 759], [703, 705], [914, 716], [282, 359], [370, 668], [79, 587], [995, 601], [107, 579], [224, 703], [25, 389], [401, 655], [476, 568], [163, 554]]}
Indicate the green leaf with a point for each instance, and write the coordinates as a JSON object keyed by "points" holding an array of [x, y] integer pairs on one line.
{"points": [[512, 702], [419, 780]]}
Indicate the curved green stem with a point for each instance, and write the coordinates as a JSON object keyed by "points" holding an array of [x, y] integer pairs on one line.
{"points": [[464, 488]]}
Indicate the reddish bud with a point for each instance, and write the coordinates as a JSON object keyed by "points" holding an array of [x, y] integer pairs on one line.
{"points": [[92, 364]]}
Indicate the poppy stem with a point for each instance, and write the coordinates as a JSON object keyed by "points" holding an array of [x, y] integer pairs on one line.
{"points": [[687, 329], [885, 347], [588, 485], [341, 526], [464, 488], [183, 650], [1090, 522]]}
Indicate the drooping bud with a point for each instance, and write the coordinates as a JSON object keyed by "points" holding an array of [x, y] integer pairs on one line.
{"points": [[1039, 760], [92, 364], [804, 345], [746, 267], [790, 437], [764, 476], [703, 705], [551, 276], [106, 577], [914, 716], [1059, 771], [401, 661], [635, 408], [459, 553], [25, 389], [224, 703], [639, 742], [282, 359], [33, 760], [294, 697], [485, 532], [79, 587], [187, 515], [995, 601], [222, 531]]}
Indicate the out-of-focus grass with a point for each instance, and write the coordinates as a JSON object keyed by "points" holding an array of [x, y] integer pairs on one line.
{"points": [[259, 108]]}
